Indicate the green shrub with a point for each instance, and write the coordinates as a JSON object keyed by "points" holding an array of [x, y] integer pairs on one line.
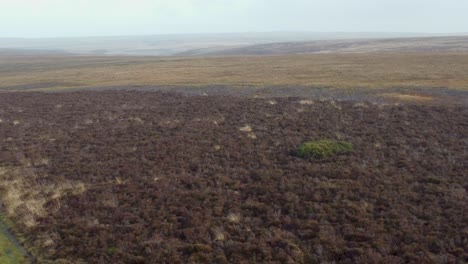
{"points": [[112, 250], [323, 148]]}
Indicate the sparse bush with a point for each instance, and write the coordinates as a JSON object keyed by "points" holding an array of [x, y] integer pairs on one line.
{"points": [[323, 148]]}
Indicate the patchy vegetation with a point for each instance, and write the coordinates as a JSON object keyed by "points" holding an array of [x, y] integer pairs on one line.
{"points": [[323, 148], [370, 70], [171, 179]]}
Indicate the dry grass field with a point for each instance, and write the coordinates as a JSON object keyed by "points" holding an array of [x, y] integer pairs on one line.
{"points": [[383, 70]]}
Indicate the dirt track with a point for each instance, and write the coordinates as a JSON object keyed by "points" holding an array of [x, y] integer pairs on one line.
{"points": [[171, 178]]}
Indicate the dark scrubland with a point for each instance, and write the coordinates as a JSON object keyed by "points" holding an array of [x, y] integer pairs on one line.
{"points": [[172, 178]]}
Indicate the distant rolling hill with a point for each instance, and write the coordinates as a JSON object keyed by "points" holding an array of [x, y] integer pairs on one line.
{"points": [[197, 44], [32, 52], [422, 44]]}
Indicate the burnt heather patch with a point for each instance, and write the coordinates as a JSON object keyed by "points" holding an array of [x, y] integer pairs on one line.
{"points": [[150, 177]]}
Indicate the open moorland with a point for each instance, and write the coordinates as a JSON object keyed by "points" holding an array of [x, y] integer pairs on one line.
{"points": [[238, 43], [424, 77], [152, 177], [446, 70], [199, 159], [419, 44]]}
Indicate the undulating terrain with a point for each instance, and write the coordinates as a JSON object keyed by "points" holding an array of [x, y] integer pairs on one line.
{"points": [[153, 177], [372, 71], [420, 44], [130, 159], [172, 44]]}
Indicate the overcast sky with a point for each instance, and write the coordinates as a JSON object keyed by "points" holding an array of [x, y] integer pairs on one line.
{"points": [[58, 18]]}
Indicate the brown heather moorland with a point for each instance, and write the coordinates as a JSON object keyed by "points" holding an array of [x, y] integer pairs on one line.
{"points": [[152, 177], [144, 176]]}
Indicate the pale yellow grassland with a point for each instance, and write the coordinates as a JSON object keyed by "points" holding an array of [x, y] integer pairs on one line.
{"points": [[373, 70]]}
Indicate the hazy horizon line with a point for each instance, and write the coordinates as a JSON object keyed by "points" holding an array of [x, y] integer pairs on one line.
{"points": [[246, 33]]}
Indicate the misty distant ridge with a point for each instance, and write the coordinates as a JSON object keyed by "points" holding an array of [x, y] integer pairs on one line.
{"points": [[235, 44], [420, 44]]}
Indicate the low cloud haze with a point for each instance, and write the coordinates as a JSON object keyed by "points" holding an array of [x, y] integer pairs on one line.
{"points": [[65, 18]]}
